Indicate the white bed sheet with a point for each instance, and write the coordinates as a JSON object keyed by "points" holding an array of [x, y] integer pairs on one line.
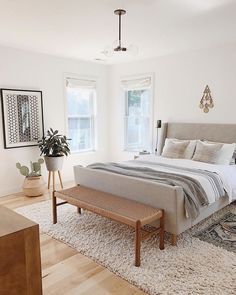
{"points": [[227, 173]]}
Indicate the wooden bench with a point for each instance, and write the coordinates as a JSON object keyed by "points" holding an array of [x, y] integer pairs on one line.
{"points": [[129, 212]]}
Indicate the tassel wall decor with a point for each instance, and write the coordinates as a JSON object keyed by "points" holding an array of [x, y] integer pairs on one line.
{"points": [[206, 101]]}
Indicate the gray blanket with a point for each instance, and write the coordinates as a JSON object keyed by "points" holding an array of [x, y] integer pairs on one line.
{"points": [[194, 194]]}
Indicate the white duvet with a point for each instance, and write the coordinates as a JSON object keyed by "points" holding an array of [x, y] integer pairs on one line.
{"points": [[227, 173]]}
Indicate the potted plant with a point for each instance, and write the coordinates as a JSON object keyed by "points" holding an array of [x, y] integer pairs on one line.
{"points": [[33, 185], [54, 147]]}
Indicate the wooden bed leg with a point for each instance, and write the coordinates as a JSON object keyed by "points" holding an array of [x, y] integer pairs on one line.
{"points": [[54, 207], [161, 245], [79, 210], [137, 243], [174, 240]]}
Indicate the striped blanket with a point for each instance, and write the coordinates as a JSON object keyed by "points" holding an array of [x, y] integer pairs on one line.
{"points": [[194, 195]]}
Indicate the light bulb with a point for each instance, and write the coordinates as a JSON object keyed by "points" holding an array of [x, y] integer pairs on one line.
{"points": [[108, 51], [115, 43]]}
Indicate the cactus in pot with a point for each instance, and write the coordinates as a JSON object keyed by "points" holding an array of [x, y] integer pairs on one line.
{"points": [[33, 184], [35, 168]]}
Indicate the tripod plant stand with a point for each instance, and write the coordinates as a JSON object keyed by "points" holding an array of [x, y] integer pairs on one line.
{"points": [[53, 173]]}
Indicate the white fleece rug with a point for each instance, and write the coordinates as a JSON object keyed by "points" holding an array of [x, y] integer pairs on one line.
{"points": [[194, 267]]}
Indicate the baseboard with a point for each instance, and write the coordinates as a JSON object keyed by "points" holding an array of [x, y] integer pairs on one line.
{"points": [[6, 192]]}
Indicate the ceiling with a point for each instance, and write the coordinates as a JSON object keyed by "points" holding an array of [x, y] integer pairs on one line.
{"points": [[82, 29]]}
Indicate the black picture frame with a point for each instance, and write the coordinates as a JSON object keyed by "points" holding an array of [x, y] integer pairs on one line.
{"points": [[30, 99]]}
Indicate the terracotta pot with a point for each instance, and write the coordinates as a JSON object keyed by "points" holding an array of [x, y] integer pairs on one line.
{"points": [[34, 186], [54, 163]]}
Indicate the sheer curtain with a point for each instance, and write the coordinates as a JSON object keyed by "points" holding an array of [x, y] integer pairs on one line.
{"points": [[138, 133], [81, 96]]}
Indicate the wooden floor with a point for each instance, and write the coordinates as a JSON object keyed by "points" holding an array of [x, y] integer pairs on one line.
{"points": [[65, 271]]}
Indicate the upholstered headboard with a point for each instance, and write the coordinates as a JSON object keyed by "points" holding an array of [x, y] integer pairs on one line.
{"points": [[213, 132]]}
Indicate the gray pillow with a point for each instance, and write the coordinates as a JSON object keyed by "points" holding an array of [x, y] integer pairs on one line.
{"points": [[174, 149], [189, 151], [206, 152], [226, 153]]}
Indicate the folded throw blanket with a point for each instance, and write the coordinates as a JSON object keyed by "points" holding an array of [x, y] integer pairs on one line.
{"points": [[194, 194]]}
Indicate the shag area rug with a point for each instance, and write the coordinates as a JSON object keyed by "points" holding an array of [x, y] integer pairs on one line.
{"points": [[194, 267]]}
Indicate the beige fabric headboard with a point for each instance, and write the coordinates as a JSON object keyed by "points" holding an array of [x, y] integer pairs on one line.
{"points": [[212, 132]]}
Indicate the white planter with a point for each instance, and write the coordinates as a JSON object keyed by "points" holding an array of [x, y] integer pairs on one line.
{"points": [[34, 186], [54, 163]]}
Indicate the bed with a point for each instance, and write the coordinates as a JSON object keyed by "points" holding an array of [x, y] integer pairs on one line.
{"points": [[164, 196]]}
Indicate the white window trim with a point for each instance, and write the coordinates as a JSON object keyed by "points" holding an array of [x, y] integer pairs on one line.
{"points": [[151, 134], [94, 137]]}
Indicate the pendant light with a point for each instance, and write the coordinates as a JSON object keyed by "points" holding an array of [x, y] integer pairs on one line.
{"points": [[118, 46]]}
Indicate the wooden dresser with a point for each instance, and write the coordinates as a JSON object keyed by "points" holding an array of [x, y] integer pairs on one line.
{"points": [[20, 263]]}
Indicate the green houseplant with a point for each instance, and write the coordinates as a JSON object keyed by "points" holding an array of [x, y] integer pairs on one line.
{"points": [[33, 185], [54, 147]]}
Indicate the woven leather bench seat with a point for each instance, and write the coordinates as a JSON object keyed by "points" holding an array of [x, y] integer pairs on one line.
{"points": [[129, 212]]}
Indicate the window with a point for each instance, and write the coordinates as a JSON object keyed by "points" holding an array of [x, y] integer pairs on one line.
{"points": [[81, 95], [138, 114]]}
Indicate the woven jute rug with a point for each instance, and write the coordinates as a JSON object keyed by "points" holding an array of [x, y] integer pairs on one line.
{"points": [[193, 267]]}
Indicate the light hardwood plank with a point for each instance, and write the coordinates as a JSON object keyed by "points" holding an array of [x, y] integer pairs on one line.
{"points": [[67, 272], [53, 251]]}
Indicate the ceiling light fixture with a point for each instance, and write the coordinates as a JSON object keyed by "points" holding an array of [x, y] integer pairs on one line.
{"points": [[131, 49]]}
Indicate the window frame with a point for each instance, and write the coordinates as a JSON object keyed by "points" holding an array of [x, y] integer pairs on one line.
{"points": [[93, 117], [125, 95]]}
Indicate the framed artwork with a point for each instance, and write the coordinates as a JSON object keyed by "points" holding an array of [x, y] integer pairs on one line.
{"points": [[22, 115]]}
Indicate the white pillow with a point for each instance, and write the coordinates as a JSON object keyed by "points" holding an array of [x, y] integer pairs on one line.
{"points": [[189, 151], [225, 154]]}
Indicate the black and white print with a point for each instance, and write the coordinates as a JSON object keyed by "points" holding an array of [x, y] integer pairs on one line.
{"points": [[22, 114]]}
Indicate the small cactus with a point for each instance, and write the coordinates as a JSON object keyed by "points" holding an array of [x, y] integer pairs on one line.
{"points": [[35, 168], [18, 165], [40, 161], [23, 170]]}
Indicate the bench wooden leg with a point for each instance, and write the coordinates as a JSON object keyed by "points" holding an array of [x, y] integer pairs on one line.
{"points": [[137, 243], [79, 210], [161, 245], [174, 240], [54, 207]]}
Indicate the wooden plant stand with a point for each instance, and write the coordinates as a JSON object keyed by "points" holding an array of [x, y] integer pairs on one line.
{"points": [[125, 211], [53, 179]]}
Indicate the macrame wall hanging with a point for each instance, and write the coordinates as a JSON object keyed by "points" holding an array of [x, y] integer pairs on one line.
{"points": [[206, 101]]}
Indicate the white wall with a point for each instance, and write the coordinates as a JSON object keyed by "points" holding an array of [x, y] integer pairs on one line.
{"points": [[178, 85], [25, 70]]}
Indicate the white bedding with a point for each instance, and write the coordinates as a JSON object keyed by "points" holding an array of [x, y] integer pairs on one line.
{"points": [[227, 173]]}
